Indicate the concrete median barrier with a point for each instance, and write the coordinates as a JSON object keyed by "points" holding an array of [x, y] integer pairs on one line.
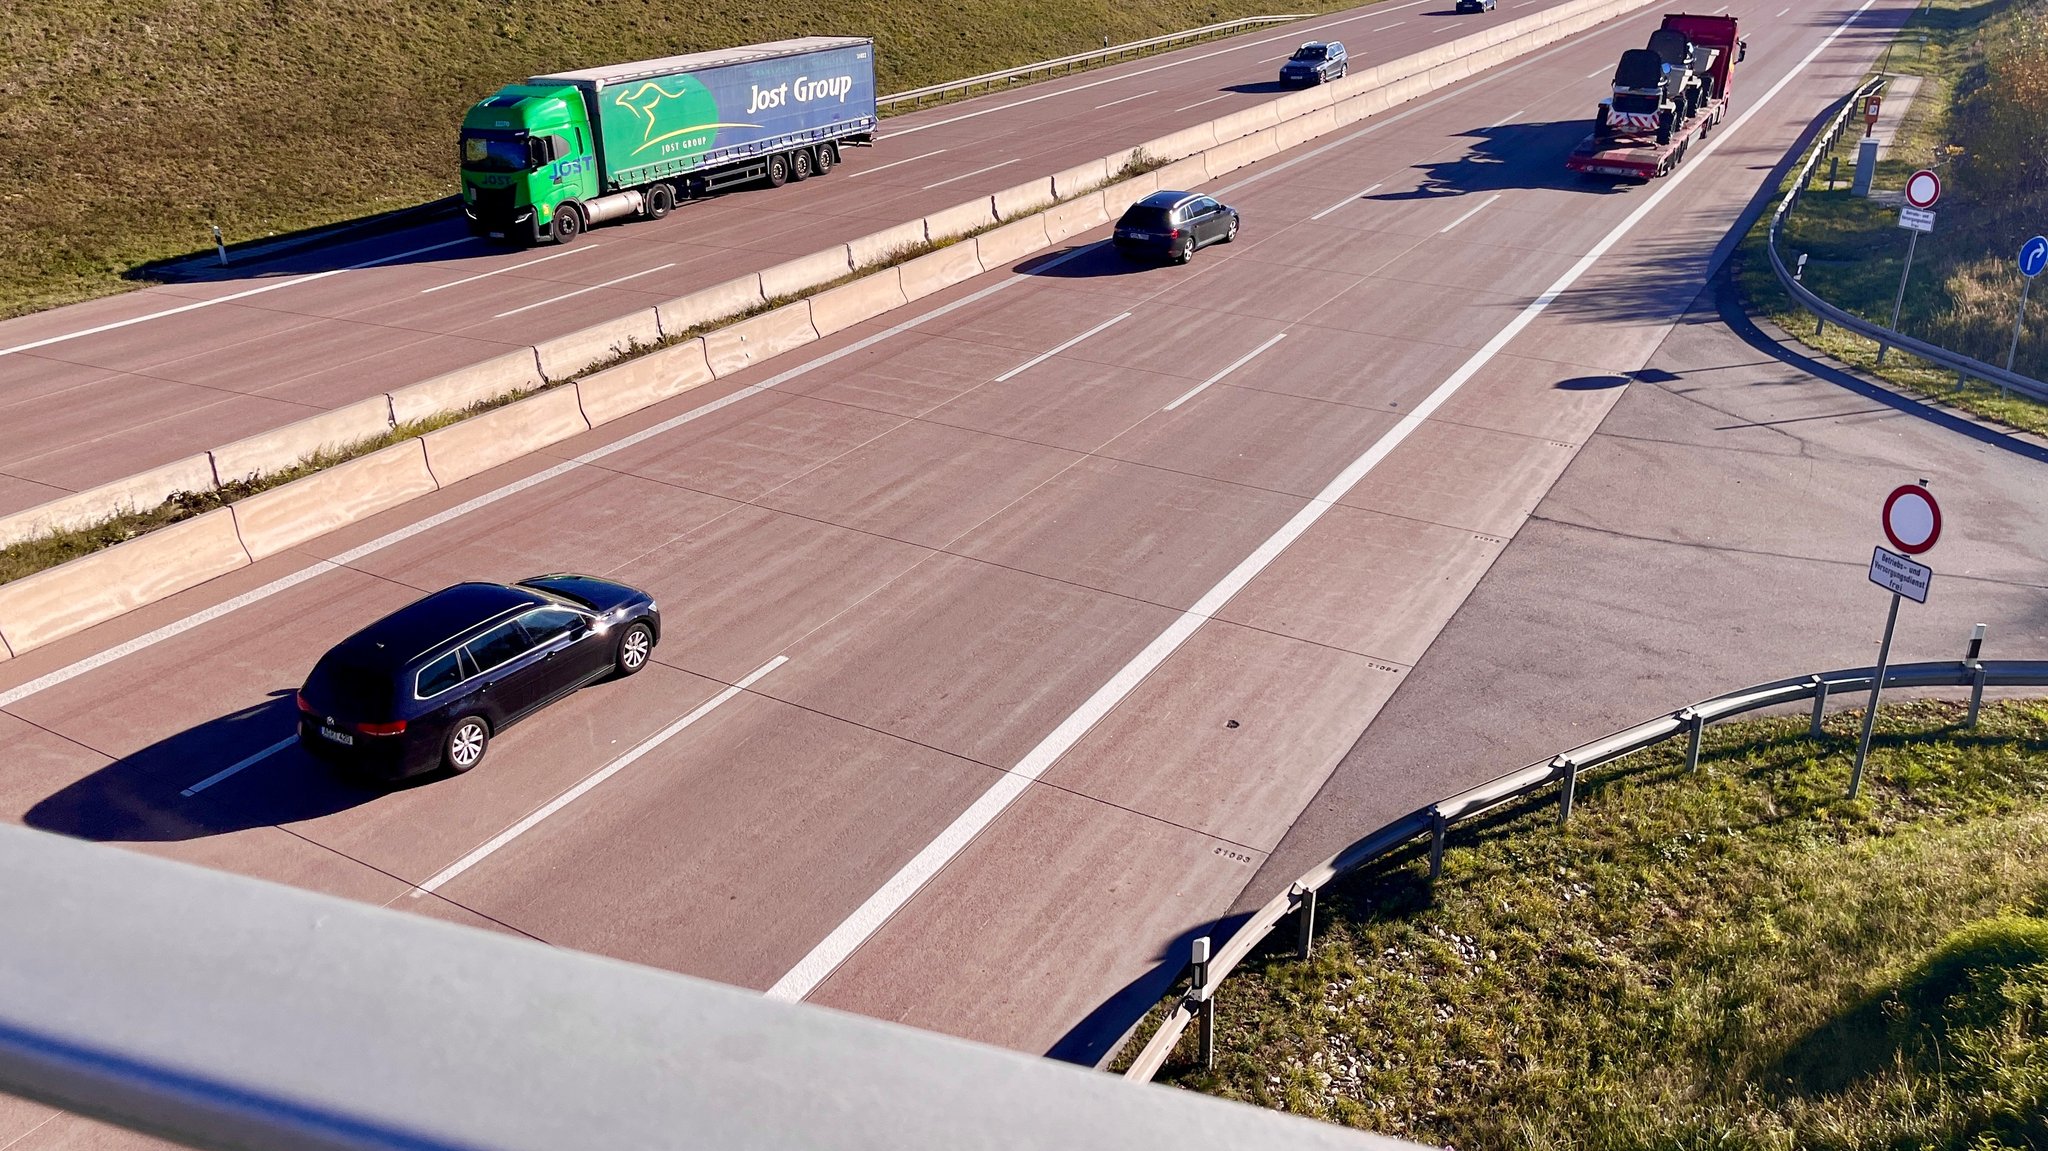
{"points": [[290, 514], [886, 244], [837, 309], [1080, 178], [961, 219], [939, 270], [1182, 174], [1182, 144], [711, 305], [564, 356], [1226, 158], [806, 272], [1253, 119], [1074, 217], [1011, 242], [482, 442], [453, 391], [49, 605], [133, 493], [739, 346], [1124, 193], [277, 450], [641, 383], [1024, 199], [1301, 129]]}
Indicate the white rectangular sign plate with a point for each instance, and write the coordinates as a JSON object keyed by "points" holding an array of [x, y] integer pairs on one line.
{"points": [[1918, 219], [1895, 573]]}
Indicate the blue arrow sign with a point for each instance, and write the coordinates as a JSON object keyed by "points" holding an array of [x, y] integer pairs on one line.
{"points": [[2033, 256]]}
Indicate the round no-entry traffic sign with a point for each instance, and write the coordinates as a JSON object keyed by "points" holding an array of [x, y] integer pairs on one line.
{"points": [[1923, 188], [1912, 520], [2033, 256]]}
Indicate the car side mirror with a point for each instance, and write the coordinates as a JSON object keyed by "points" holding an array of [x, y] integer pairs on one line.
{"points": [[1741, 51]]}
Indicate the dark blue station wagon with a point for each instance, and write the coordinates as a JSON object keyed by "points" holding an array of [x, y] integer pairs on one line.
{"points": [[429, 685]]}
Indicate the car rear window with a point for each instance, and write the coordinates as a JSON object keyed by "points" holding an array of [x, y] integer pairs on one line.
{"points": [[357, 691], [1139, 216]]}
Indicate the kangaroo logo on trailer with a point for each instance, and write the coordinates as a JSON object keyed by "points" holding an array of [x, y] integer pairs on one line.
{"points": [[660, 108]]}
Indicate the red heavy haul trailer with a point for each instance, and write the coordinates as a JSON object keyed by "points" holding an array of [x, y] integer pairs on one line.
{"points": [[1665, 96]]}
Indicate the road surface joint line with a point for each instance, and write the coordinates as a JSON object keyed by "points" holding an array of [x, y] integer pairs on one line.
{"points": [[1468, 215], [238, 767], [492, 845], [513, 268], [583, 291], [1247, 358], [879, 908]]}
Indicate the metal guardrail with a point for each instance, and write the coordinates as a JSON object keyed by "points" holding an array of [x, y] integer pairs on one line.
{"points": [[1825, 313], [1435, 821], [989, 80]]}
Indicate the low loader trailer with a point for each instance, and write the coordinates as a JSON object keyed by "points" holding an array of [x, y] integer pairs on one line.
{"points": [[1664, 97], [551, 157]]}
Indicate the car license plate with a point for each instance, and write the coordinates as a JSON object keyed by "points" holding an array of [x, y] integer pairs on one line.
{"points": [[340, 737], [497, 235]]}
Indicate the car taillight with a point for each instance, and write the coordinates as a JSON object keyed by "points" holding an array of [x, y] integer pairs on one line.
{"points": [[305, 707], [1173, 235], [396, 727]]}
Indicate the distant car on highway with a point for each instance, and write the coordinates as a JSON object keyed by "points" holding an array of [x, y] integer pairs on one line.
{"points": [[1171, 225], [429, 685], [1474, 6], [1315, 63]]}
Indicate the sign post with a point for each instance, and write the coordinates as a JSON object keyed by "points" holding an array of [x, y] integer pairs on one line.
{"points": [[1923, 191], [2033, 257], [1912, 522]]}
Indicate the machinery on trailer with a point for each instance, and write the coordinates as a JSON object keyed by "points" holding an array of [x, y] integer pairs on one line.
{"points": [[557, 154], [1665, 96]]}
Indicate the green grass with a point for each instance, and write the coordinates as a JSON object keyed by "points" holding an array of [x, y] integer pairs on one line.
{"points": [[1734, 958], [1964, 290], [135, 125]]}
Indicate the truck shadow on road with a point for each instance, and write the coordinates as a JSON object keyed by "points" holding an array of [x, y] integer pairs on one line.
{"points": [[1508, 157], [139, 798]]}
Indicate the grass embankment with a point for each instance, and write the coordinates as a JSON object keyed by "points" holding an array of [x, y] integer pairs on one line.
{"points": [[137, 124], [1980, 118], [1738, 958]]}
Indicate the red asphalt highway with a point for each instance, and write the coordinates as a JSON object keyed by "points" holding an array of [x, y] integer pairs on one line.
{"points": [[1008, 634], [267, 345]]}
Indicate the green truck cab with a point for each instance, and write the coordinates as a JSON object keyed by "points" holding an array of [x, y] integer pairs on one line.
{"points": [[554, 155]]}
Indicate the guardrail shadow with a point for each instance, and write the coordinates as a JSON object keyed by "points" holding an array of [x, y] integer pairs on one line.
{"points": [[1096, 1038], [138, 798]]}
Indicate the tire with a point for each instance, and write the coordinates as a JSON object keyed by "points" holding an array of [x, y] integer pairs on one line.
{"points": [[1232, 233], [661, 200], [636, 646], [568, 223], [828, 157], [778, 169], [1184, 253], [803, 164], [467, 740]]}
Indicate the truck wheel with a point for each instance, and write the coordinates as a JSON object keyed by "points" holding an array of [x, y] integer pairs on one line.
{"points": [[568, 223], [828, 155], [661, 199], [802, 163], [778, 169]]}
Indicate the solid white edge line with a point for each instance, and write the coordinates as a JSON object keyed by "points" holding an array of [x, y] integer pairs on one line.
{"points": [[284, 583], [1346, 200], [252, 761], [1247, 358], [498, 841], [894, 163], [868, 918], [513, 268], [242, 295], [1042, 357], [591, 288], [1468, 215], [976, 172]]}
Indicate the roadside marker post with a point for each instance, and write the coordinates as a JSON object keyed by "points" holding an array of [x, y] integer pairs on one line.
{"points": [[1912, 522], [2033, 257], [220, 247], [1923, 191], [1205, 1010]]}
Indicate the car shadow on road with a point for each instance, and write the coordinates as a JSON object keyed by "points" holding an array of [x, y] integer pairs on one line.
{"points": [[140, 798], [1506, 157], [1257, 87], [1092, 262]]}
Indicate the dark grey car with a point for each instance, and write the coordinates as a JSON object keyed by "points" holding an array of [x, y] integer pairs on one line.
{"points": [[1171, 225]]}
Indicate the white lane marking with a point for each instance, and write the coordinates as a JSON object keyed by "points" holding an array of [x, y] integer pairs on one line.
{"points": [[1390, 27], [513, 268], [1248, 357], [1277, 59], [869, 917], [591, 288], [1718, 11], [1034, 361], [895, 163], [1210, 100], [976, 172], [1127, 99], [1782, 11], [1344, 201], [233, 769], [1505, 119], [1596, 72], [1468, 215], [285, 583], [242, 295], [613, 768], [1312, 34]]}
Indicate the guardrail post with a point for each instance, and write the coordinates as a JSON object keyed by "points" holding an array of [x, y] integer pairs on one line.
{"points": [[1976, 667], [1820, 706], [1305, 902], [1439, 827], [1696, 725], [1205, 1003], [1571, 788]]}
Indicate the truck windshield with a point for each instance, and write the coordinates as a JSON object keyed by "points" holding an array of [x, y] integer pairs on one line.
{"points": [[494, 154]]}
